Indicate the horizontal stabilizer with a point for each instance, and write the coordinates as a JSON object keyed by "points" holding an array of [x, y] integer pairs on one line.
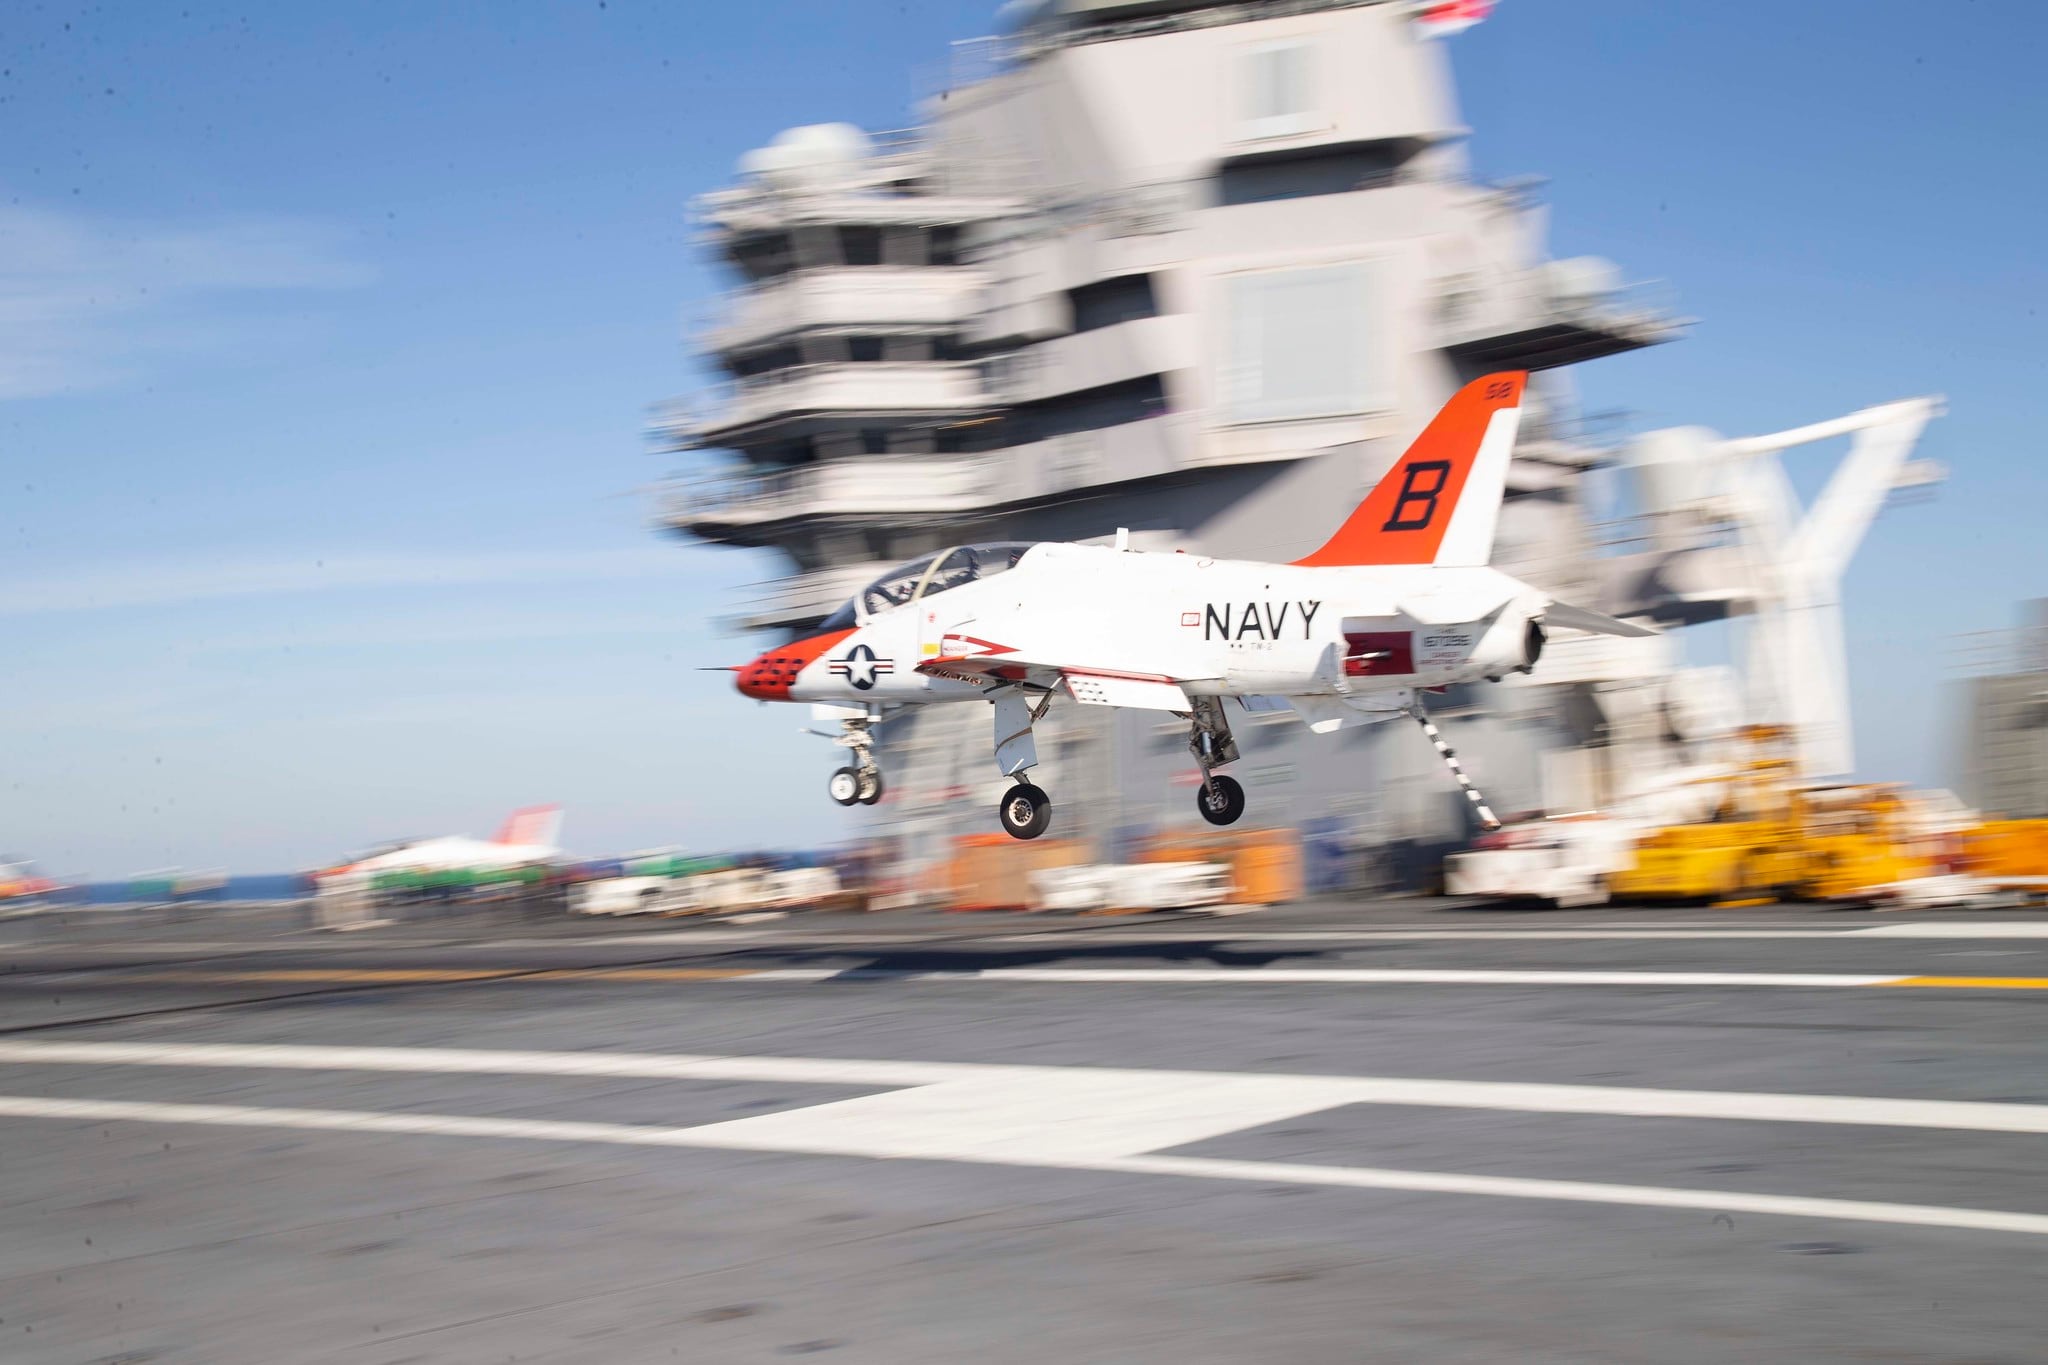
{"points": [[1580, 618]]}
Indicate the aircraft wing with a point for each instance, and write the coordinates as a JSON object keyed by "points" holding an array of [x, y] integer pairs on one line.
{"points": [[1096, 686]]}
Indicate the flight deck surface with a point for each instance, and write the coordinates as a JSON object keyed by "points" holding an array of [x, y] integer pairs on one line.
{"points": [[1374, 1131]]}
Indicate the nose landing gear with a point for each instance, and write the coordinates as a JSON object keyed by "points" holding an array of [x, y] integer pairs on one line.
{"points": [[861, 781], [850, 785]]}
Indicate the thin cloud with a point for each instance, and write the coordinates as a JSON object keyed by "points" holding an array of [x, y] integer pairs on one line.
{"points": [[87, 303], [174, 583]]}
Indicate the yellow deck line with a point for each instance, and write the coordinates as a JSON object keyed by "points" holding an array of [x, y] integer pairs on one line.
{"points": [[1975, 983], [650, 973]]}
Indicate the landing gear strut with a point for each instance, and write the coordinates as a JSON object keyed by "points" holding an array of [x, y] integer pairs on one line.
{"points": [[1220, 799], [1025, 810], [862, 780]]}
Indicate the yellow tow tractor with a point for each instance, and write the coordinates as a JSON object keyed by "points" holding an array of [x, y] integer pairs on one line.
{"points": [[1773, 839]]}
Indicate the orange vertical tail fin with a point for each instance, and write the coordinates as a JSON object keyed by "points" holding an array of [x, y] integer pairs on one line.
{"points": [[1439, 502], [530, 825]]}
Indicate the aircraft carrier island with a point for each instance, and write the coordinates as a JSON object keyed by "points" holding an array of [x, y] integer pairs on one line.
{"points": [[1198, 273]]}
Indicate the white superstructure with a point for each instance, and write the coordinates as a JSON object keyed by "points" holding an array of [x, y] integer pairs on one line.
{"points": [[1185, 268]]}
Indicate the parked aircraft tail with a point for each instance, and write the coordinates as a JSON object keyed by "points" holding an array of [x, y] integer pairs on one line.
{"points": [[1439, 502], [540, 825]]}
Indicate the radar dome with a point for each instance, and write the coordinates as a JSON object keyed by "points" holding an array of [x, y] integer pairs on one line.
{"points": [[809, 157]]}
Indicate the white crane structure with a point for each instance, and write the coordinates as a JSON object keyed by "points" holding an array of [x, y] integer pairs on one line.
{"points": [[1733, 542]]}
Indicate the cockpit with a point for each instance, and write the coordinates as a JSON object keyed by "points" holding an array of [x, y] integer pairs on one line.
{"points": [[934, 573]]}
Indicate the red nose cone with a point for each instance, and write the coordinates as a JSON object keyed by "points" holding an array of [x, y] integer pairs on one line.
{"points": [[771, 676]]}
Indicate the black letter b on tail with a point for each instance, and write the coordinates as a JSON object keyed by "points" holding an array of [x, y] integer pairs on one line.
{"points": [[1415, 507]]}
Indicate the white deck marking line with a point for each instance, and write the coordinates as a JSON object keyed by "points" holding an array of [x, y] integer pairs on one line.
{"points": [[1280, 976], [1356, 1177], [1037, 1082], [495, 1062], [1959, 929], [1249, 934], [1579, 1191], [1055, 976], [1159, 931], [144, 974]]}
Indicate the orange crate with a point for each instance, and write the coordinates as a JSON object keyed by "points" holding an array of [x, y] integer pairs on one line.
{"points": [[993, 871], [1265, 864]]}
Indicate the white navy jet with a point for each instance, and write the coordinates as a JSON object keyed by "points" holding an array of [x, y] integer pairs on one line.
{"points": [[1399, 601]]}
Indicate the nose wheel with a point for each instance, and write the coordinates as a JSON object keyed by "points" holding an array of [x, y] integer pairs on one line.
{"points": [[855, 786], [1026, 811]]}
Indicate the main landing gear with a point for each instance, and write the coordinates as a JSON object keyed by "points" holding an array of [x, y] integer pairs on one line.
{"points": [[861, 781], [1025, 810], [1220, 799]]}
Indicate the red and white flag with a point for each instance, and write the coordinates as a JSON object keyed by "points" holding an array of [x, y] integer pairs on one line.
{"points": [[1442, 18]]}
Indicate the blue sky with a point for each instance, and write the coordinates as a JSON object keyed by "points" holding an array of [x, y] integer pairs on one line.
{"points": [[328, 336]]}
